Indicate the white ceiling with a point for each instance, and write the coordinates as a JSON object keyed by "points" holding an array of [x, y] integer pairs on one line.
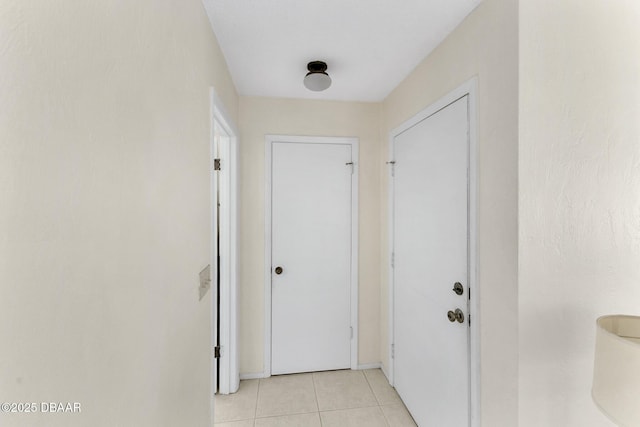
{"points": [[368, 45]]}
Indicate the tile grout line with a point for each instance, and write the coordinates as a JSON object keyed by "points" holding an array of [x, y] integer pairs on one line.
{"points": [[315, 392], [287, 413], [385, 416], [255, 410], [386, 420], [371, 388], [313, 376]]}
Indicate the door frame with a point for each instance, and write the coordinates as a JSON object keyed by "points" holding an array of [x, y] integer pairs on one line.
{"points": [[469, 88], [228, 177], [353, 142]]}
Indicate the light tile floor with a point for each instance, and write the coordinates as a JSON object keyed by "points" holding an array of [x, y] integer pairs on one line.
{"points": [[327, 399]]}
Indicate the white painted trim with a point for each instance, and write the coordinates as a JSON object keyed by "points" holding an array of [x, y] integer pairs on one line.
{"points": [[213, 252], [353, 142], [253, 376], [229, 372], [386, 374], [390, 274], [267, 256], [370, 366], [355, 158], [470, 89], [474, 282]]}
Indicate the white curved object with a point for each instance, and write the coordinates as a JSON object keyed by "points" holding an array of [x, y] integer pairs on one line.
{"points": [[616, 373], [317, 82]]}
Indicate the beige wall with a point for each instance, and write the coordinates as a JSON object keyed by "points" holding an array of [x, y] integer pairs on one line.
{"points": [[104, 186], [263, 116], [579, 196], [104, 224], [484, 45]]}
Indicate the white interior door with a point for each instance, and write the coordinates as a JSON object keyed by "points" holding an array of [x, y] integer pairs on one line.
{"points": [[431, 250], [311, 232]]}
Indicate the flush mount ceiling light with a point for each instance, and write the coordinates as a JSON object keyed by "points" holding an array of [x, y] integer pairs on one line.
{"points": [[317, 78]]}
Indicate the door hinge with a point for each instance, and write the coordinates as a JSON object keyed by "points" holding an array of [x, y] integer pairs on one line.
{"points": [[216, 164], [393, 351], [350, 164], [393, 259], [469, 305], [216, 352], [393, 167], [351, 328]]}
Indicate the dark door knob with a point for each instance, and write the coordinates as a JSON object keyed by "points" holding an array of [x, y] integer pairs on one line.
{"points": [[455, 316], [278, 270]]}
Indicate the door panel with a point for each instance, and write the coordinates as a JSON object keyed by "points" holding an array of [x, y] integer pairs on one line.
{"points": [[311, 241], [431, 363]]}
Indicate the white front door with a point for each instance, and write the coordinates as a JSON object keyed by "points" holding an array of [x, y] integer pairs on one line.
{"points": [[431, 249], [311, 254]]}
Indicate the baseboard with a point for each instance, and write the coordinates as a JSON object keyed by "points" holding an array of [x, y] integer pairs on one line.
{"points": [[252, 376], [384, 371], [258, 375], [370, 366]]}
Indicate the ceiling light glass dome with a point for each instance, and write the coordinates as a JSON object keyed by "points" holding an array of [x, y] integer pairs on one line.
{"points": [[317, 78]]}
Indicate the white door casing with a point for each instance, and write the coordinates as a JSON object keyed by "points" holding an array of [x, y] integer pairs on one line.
{"points": [[434, 361], [311, 306], [224, 146]]}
